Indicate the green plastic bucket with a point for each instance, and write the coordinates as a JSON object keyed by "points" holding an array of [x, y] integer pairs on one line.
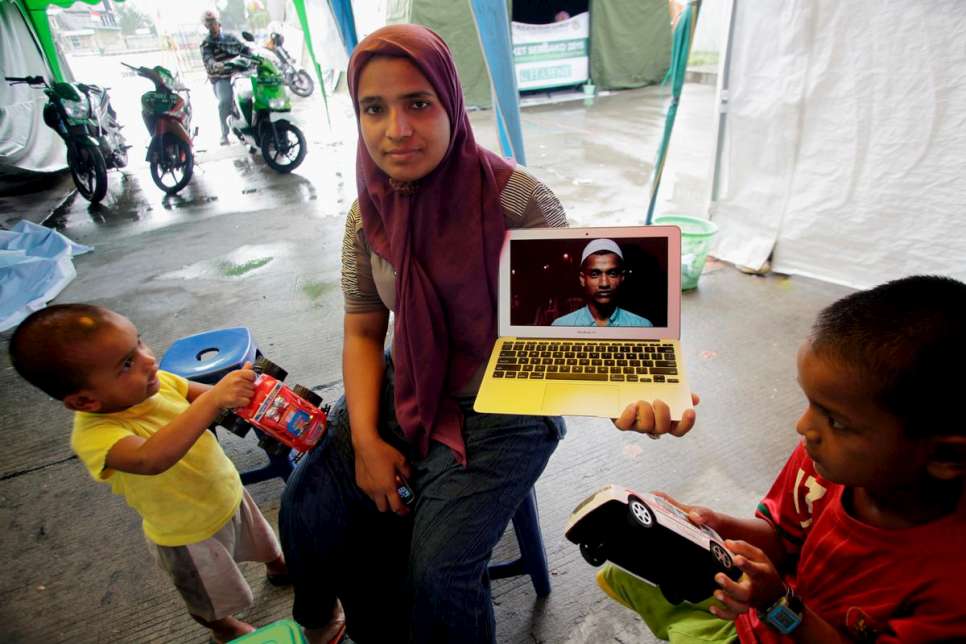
{"points": [[284, 631], [696, 237]]}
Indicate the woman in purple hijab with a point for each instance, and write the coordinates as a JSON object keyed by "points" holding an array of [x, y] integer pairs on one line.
{"points": [[423, 241]]}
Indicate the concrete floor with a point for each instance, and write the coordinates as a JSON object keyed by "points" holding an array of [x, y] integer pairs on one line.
{"points": [[245, 246]]}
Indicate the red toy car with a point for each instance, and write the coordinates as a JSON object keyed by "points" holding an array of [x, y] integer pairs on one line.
{"points": [[287, 418]]}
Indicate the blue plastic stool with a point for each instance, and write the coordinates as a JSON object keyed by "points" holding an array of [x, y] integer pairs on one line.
{"points": [[533, 557], [207, 357]]}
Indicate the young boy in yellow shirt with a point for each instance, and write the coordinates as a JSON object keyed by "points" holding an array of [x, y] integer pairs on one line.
{"points": [[144, 431]]}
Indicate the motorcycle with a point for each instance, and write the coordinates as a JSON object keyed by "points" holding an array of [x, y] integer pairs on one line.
{"points": [[83, 117], [260, 110], [166, 111], [297, 79]]}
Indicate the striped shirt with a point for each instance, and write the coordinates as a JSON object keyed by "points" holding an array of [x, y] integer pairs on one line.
{"points": [[368, 280]]}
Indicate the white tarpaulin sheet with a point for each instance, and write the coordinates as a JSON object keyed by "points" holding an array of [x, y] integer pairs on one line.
{"points": [[26, 143], [845, 149], [35, 265]]}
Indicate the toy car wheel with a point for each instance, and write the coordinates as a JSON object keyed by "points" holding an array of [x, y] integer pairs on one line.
{"points": [[721, 556], [269, 368], [593, 553], [273, 447], [307, 395], [639, 513], [220, 419], [237, 426]]}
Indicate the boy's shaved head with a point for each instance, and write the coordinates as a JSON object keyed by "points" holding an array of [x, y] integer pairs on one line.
{"points": [[906, 340], [44, 347]]}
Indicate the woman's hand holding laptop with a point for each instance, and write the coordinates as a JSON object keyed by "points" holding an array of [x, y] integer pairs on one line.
{"points": [[654, 419]]}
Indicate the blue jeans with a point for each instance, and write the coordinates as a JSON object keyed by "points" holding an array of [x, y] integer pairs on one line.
{"points": [[418, 578], [226, 99]]}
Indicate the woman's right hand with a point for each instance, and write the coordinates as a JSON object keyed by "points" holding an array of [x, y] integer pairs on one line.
{"points": [[377, 465]]}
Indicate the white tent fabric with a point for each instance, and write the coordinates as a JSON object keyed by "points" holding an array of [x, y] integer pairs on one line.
{"points": [[35, 265], [845, 149], [26, 143]]}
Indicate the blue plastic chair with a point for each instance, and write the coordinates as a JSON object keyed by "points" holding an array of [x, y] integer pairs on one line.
{"points": [[533, 558], [207, 357]]}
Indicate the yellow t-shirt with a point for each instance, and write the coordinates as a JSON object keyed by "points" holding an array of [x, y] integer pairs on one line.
{"points": [[185, 504]]}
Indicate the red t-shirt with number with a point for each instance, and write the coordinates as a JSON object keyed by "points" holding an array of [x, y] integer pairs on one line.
{"points": [[874, 585]]}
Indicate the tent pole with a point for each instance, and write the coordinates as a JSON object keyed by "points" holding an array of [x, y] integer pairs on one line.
{"points": [[680, 52], [493, 27], [724, 83], [346, 22]]}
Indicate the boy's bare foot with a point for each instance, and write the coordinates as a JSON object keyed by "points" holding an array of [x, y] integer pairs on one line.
{"points": [[227, 629], [331, 634], [277, 572]]}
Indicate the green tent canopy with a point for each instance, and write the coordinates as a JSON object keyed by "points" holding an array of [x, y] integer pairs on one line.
{"points": [[630, 41], [36, 11]]}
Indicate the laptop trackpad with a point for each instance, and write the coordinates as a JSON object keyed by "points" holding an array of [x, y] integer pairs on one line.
{"points": [[580, 400]]}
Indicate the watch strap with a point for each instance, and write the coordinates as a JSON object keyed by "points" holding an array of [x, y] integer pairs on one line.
{"points": [[785, 615]]}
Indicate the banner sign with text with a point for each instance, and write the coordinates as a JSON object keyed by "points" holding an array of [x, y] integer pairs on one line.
{"points": [[552, 55]]}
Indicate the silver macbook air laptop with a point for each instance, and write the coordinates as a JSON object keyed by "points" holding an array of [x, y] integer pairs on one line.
{"points": [[589, 322]]}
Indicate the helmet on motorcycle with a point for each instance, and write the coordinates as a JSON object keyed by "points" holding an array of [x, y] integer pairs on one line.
{"points": [[277, 38], [209, 17]]}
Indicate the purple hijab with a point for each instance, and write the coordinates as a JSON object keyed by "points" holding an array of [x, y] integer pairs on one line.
{"points": [[443, 238]]}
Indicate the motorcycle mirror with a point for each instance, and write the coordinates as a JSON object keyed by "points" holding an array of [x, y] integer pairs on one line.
{"points": [[248, 36]]}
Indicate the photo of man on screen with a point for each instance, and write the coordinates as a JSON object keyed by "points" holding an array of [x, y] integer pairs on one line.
{"points": [[601, 276]]}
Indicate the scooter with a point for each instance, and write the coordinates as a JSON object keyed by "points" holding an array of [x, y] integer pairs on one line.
{"points": [[167, 114], [83, 117], [297, 79], [260, 110]]}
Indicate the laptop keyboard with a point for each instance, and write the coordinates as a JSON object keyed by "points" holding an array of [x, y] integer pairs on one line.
{"points": [[590, 360]]}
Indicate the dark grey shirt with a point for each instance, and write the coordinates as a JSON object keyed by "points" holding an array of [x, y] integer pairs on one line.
{"points": [[218, 50]]}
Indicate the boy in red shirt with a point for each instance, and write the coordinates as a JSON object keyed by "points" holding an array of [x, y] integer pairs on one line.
{"points": [[861, 536]]}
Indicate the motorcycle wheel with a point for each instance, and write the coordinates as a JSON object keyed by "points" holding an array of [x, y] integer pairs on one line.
{"points": [[89, 172], [172, 166], [291, 149], [302, 83]]}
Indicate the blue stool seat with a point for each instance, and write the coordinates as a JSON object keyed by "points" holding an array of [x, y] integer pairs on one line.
{"points": [[206, 357], [533, 557]]}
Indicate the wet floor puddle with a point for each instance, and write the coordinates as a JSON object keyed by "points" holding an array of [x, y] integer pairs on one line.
{"points": [[241, 262]]}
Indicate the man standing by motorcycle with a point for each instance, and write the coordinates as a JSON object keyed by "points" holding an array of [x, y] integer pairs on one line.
{"points": [[217, 48]]}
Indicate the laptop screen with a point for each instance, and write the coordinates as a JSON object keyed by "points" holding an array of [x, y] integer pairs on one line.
{"points": [[606, 282]]}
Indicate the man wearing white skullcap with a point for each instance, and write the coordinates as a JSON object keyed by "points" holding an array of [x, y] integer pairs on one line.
{"points": [[601, 276]]}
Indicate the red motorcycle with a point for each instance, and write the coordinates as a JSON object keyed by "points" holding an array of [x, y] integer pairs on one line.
{"points": [[167, 114]]}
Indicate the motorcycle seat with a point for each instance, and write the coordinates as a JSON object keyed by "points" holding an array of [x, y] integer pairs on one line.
{"points": [[94, 91]]}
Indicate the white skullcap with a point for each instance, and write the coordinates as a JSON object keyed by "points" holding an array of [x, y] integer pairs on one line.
{"points": [[598, 245]]}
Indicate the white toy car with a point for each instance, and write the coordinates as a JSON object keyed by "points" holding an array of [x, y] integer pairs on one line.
{"points": [[651, 539]]}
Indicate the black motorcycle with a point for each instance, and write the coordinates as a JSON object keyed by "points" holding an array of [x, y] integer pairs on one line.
{"points": [[82, 116], [297, 79]]}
